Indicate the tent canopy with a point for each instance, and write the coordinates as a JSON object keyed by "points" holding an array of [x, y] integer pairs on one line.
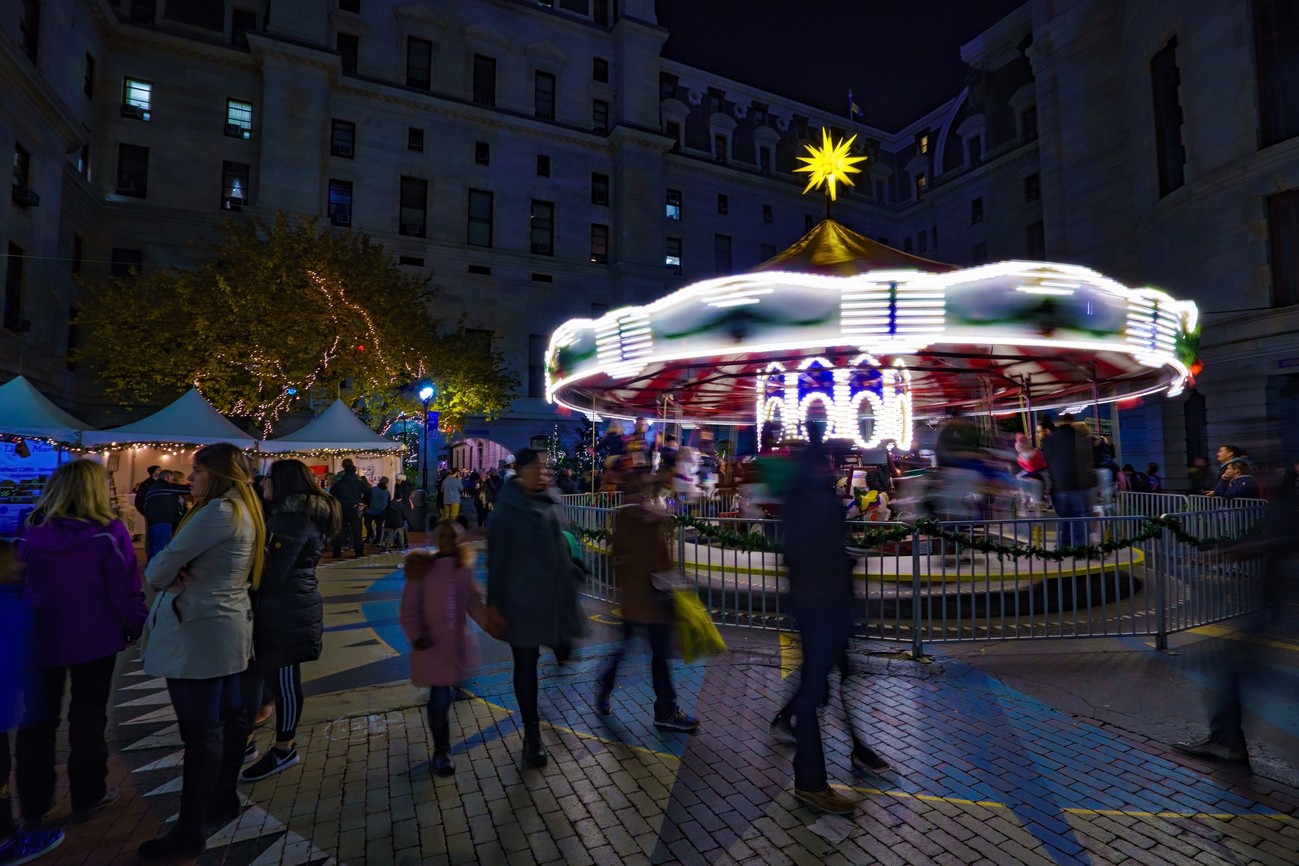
{"points": [[24, 411], [191, 420], [337, 429]]}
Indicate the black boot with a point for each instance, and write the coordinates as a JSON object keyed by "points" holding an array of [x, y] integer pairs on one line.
{"points": [[442, 765], [534, 754]]}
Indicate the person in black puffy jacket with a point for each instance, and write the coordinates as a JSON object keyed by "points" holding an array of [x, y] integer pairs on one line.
{"points": [[288, 613]]}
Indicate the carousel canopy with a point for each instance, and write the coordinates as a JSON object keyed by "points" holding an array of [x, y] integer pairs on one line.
{"points": [[24, 411], [189, 421], [838, 315], [337, 430]]}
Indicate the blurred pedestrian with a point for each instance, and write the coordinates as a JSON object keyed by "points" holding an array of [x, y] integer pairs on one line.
{"points": [[1152, 474], [642, 567], [822, 600], [82, 589], [375, 509], [404, 512], [1069, 459], [288, 613], [200, 638], [532, 584], [437, 600], [17, 844], [352, 492], [1242, 660], [452, 489], [1200, 479]]}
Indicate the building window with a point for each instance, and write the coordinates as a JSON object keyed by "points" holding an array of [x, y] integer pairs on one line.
{"points": [[541, 241], [1028, 122], [720, 148], [242, 22], [536, 365], [22, 170], [715, 100], [83, 161], [1283, 236], [974, 151], [480, 218], [543, 165], [353, 6], [764, 160], [723, 204], [599, 115], [239, 119], [1032, 187], [13, 307], [137, 99], [342, 139], [767, 216], [349, 47], [419, 63], [599, 244], [340, 202], [766, 251], [1035, 241], [600, 12], [674, 204], [600, 70], [599, 188], [922, 184], [667, 86], [722, 254], [976, 211], [484, 80], [922, 142], [29, 28], [125, 264], [413, 213], [1169, 153], [482, 153], [234, 185], [979, 253], [88, 77], [759, 114], [415, 139], [1276, 52], [673, 257], [543, 96], [673, 131], [132, 170]]}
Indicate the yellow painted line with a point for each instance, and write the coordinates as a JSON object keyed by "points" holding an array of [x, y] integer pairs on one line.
{"points": [[1232, 634]]}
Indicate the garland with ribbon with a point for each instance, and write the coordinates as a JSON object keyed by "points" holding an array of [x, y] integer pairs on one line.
{"points": [[928, 527]]}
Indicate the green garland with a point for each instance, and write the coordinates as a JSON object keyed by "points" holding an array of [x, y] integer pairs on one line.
{"points": [[1151, 527]]}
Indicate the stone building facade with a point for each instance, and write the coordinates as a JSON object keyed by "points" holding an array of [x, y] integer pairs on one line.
{"points": [[542, 160]]}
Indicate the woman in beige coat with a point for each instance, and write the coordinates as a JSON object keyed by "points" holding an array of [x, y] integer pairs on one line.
{"points": [[199, 636]]}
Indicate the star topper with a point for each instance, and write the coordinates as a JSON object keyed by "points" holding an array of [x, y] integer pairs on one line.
{"points": [[830, 163]]}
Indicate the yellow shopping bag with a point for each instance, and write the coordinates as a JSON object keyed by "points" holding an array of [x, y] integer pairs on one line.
{"points": [[695, 629]]}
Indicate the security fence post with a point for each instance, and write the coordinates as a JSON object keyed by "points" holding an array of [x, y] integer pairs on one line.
{"points": [[1162, 576], [917, 642]]}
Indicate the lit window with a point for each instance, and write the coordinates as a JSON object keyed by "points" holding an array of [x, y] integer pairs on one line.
{"points": [[922, 142], [340, 202], [239, 119], [234, 185], [137, 99], [673, 257], [674, 204]]}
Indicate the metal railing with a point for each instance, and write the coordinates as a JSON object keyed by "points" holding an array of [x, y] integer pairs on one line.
{"points": [[925, 589]]}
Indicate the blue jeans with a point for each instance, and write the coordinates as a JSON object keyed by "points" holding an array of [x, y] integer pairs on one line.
{"points": [[824, 635], [1071, 504], [156, 537], [660, 641], [214, 728]]}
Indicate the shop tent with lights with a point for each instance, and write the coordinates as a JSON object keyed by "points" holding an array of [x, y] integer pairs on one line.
{"points": [[33, 432], [337, 433]]}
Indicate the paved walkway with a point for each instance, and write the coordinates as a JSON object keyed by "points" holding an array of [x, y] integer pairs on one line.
{"points": [[987, 773]]}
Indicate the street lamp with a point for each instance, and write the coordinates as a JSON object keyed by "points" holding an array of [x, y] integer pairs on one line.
{"points": [[426, 393]]}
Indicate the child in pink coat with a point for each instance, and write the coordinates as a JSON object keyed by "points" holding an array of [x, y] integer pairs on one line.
{"points": [[438, 598]]}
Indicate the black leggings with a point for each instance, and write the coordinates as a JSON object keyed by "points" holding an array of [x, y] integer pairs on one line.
{"points": [[525, 678], [285, 685]]}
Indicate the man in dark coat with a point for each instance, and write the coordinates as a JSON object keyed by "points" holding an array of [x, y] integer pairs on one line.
{"points": [[163, 506], [1068, 454], [532, 583], [822, 600], [352, 492]]}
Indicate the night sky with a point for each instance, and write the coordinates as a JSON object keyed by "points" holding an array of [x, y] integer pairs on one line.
{"points": [[900, 59]]}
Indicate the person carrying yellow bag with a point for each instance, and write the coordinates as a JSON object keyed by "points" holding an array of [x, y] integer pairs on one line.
{"points": [[699, 637]]}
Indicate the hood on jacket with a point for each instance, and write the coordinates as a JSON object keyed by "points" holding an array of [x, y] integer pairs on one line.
{"points": [[61, 533]]}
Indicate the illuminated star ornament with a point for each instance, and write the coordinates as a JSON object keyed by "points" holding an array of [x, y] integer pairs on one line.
{"points": [[830, 164]]}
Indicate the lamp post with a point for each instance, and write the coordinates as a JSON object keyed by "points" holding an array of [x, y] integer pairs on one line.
{"points": [[425, 395]]}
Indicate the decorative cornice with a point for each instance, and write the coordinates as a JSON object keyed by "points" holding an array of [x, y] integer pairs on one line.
{"points": [[485, 34], [422, 14], [546, 50]]}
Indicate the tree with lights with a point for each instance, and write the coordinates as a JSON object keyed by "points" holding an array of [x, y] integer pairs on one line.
{"points": [[281, 312]]}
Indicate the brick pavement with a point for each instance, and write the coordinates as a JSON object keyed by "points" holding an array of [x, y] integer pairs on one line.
{"points": [[987, 774]]}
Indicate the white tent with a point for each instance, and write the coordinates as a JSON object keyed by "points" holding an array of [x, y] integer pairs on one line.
{"points": [[190, 420], [337, 429], [24, 411]]}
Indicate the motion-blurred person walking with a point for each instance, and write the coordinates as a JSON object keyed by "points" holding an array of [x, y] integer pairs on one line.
{"points": [[200, 637], [532, 583], [288, 613], [640, 556], [822, 600], [82, 588]]}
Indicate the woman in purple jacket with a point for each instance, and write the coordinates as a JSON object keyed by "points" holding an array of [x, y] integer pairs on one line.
{"points": [[82, 589]]}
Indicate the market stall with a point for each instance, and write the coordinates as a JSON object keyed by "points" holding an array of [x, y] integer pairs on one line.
{"points": [[34, 435], [337, 433]]}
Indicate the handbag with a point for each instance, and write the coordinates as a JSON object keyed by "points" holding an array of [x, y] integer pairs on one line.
{"points": [[699, 637]]}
